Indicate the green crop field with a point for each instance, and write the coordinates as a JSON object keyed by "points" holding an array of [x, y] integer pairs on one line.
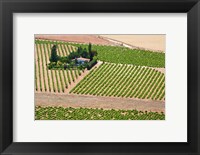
{"points": [[117, 54], [123, 81], [118, 72], [111, 79], [123, 55], [52, 80], [61, 113]]}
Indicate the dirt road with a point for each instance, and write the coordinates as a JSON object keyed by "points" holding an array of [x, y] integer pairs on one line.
{"points": [[69, 100]]}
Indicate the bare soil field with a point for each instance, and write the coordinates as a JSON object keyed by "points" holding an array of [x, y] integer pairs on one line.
{"points": [[94, 39], [148, 42], [84, 101], [162, 70]]}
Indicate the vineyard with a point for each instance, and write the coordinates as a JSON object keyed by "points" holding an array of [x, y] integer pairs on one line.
{"points": [[110, 79], [61, 113], [118, 72], [123, 55], [119, 80], [53, 80]]}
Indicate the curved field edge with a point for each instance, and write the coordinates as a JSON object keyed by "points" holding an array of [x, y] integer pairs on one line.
{"points": [[122, 55], [61, 113]]}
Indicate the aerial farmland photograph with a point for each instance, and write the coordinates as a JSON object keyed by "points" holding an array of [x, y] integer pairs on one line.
{"points": [[99, 76]]}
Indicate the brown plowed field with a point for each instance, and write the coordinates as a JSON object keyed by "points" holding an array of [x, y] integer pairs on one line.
{"points": [[94, 39]]}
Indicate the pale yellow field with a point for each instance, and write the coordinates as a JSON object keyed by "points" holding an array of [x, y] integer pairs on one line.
{"points": [[149, 42]]}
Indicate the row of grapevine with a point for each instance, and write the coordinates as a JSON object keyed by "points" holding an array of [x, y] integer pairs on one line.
{"points": [[108, 80], [61, 113], [124, 55], [63, 47], [119, 80], [118, 54], [52, 80]]}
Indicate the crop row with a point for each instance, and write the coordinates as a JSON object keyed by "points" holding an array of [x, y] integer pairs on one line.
{"points": [[61, 113], [52, 80], [64, 46], [117, 54], [119, 80], [124, 55]]}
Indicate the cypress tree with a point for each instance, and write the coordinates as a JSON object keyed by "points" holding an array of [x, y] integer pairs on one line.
{"points": [[89, 47], [90, 51], [54, 56]]}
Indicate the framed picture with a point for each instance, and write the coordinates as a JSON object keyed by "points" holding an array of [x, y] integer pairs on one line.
{"points": [[99, 77]]}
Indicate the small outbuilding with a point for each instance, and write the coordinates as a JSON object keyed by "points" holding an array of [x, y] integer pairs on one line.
{"points": [[82, 60]]}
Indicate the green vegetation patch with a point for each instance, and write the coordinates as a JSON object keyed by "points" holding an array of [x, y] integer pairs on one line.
{"points": [[123, 55], [126, 81], [60, 113]]}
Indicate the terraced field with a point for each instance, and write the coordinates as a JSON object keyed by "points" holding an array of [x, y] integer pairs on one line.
{"points": [[121, 80], [53, 80]]}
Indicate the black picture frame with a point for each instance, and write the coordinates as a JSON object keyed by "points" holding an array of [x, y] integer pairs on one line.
{"points": [[8, 7]]}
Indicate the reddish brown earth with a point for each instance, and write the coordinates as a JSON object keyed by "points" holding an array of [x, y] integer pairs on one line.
{"points": [[84, 101], [94, 39], [146, 42]]}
